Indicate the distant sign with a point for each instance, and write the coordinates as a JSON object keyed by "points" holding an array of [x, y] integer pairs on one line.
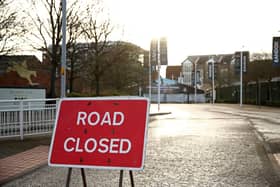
{"points": [[210, 70], [276, 51], [245, 61], [163, 51], [158, 51], [154, 52], [107, 133]]}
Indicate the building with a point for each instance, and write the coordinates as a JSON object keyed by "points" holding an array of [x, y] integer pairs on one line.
{"points": [[203, 66], [192, 64], [173, 72]]}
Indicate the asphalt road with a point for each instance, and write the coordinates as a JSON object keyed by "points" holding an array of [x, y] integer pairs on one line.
{"points": [[195, 145]]}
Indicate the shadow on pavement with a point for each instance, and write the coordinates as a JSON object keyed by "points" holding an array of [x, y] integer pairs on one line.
{"points": [[14, 146]]}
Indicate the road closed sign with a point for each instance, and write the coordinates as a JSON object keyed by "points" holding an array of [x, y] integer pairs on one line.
{"points": [[107, 133]]}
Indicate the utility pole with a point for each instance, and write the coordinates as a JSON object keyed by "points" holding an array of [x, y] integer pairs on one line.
{"points": [[159, 81], [63, 52], [195, 82], [150, 78], [241, 78], [195, 79], [213, 83]]}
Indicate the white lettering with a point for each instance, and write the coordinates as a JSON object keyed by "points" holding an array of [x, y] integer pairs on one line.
{"points": [[123, 141], [106, 119], [66, 142], [113, 145], [90, 122], [93, 147], [94, 118], [81, 117], [276, 52], [103, 145], [77, 146], [121, 118]]}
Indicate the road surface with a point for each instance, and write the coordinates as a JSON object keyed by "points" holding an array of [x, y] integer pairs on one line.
{"points": [[195, 145]]}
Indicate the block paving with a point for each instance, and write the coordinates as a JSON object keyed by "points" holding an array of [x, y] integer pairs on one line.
{"points": [[22, 163]]}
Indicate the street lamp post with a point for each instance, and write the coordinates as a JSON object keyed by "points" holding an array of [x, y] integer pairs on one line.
{"points": [[213, 83], [241, 78], [150, 78], [195, 79], [63, 52], [159, 81]]}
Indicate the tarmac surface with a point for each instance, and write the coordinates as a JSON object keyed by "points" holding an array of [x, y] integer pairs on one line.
{"points": [[18, 158]]}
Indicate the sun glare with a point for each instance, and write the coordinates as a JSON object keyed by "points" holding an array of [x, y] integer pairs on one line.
{"points": [[195, 27]]}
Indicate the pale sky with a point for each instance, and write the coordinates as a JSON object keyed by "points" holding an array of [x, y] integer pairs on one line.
{"points": [[197, 27]]}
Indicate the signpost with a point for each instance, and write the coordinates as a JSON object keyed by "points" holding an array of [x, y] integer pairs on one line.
{"points": [[245, 60], [158, 56], [102, 133], [242, 59]]}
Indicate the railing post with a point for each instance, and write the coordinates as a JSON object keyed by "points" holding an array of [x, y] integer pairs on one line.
{"points": [[29, 113], [21, 119]]}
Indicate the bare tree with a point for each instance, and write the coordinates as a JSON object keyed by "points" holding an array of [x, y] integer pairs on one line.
{"points": [[47, 24], [73, 35], [11, 29], [47, 32], [96, 33]]}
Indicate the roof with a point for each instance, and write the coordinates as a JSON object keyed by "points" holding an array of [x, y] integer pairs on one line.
{"points": [[204, 58], [173, 71], [199, 58]]}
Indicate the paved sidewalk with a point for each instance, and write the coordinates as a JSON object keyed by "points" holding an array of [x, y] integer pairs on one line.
{"points": [[21, 163]]}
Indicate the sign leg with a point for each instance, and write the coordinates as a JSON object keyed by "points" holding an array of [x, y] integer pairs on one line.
{"points": [[84, 177], [131, 178], [121, 178], [68, 177]]}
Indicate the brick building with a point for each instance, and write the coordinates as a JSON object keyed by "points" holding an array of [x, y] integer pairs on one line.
{"points": [[173, 72]]}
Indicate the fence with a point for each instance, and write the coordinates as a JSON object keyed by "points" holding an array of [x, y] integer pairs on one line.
{"points": [[261, 93], [177, 98], [19, 118]]}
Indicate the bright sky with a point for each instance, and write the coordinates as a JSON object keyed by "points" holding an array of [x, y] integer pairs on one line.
{"points": [[196, 27]]}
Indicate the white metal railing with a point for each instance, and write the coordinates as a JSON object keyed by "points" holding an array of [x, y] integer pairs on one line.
{"points": [[27, 117]]}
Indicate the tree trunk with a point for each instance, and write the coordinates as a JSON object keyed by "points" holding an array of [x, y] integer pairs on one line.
{"points": [[52, 93], [97, 84], [71, 78]]}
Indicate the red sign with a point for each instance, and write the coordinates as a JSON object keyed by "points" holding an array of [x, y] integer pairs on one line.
{"points": [[108, 133]]}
